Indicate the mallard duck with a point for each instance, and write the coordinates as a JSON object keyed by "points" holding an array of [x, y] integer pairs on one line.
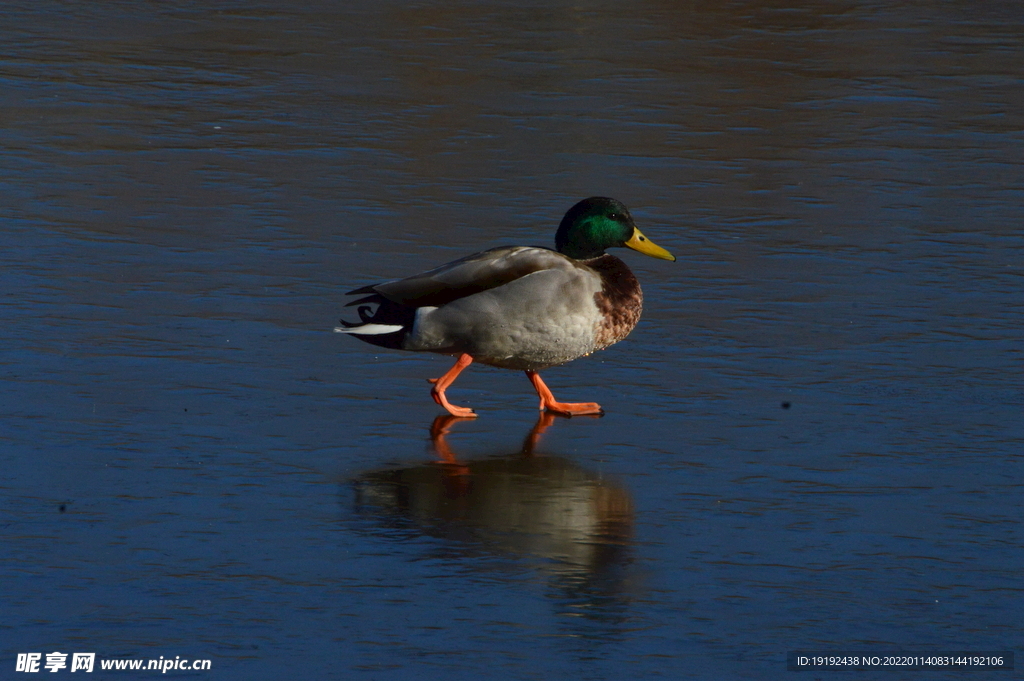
{"points": [[517, 307]]}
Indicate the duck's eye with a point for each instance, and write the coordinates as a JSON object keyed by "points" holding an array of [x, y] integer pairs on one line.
{"points": [[614, 216]]}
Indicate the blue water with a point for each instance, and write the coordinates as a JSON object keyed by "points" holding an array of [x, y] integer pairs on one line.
{"points": [[813, 440]]}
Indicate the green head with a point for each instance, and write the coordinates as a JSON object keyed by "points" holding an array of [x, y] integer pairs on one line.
{"points": [[598, 223]]}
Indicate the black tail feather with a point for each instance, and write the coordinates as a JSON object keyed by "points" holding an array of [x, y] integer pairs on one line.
{"points": [[368, 299], [387, 312]]}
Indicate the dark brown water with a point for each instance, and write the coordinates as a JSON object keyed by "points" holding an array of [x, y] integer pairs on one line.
{"points": [[814, 438]]}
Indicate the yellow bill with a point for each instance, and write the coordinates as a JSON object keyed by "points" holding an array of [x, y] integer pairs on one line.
{"points": [[638, 242]]}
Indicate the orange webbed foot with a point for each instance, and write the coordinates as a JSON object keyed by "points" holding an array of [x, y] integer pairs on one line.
{"points": [[573, 408], [442, 383], [461, 412], [549, 403]]}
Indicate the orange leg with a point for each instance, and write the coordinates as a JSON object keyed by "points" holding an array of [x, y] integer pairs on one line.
{"points": [[441, 384], [549, 403]]}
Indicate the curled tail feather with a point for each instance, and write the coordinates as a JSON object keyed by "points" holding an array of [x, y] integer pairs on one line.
{"points": [[387, 326]]}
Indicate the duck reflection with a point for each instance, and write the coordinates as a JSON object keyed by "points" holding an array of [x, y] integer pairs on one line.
{"points": [[521, 504]]}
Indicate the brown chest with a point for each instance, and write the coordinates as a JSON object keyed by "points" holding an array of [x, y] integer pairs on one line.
{"points": [[620, 300]]}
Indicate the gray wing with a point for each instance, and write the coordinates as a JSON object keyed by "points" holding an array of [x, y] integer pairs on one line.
{"points": [[475, 273]]}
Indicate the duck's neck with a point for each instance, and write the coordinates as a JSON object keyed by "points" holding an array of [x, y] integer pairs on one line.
{"points": [[620, 299]]}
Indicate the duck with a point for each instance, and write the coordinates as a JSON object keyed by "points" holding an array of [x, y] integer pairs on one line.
{"points": [[525, 308]]}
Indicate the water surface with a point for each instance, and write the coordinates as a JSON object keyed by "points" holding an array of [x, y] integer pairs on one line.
{"points": [[813, 439]]}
